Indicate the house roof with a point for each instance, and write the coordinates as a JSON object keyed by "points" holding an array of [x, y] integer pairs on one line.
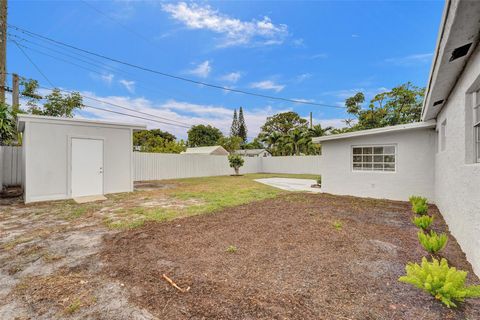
{"points": [[250, 151], [390, 129], [459, 31], [23, 118], [206, 150]]}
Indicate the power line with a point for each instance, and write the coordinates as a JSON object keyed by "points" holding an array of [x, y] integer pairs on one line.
{"points": [[162, 122], [100, 12], [33, 63], [97, 64], [147, 69], [180, 123]]}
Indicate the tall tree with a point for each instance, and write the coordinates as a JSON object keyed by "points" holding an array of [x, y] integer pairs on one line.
{"points": [[231, 143], [234, 127], [242, 127], [203, 135], [55, 104], [283, 123], [402, 104]]}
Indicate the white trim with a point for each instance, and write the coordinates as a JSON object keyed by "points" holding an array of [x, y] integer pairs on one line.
{"points": [[401, 127], [24, 118], [395, 154]]}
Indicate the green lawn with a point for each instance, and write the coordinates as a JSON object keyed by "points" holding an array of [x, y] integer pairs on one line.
{"points": [[209, 194]]}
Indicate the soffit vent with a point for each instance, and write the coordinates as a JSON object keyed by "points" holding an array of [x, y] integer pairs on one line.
{"points": [[436, 103], [460, 51]]}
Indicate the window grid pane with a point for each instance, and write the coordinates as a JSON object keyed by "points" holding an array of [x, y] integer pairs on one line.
{"points": [[381, 158]]}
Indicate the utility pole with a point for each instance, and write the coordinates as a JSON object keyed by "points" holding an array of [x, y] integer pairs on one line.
{"points": [[311, 120], [3, 48], [15, 93]]}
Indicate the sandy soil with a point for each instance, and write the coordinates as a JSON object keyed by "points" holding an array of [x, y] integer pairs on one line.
{"points": [[297, 257]]}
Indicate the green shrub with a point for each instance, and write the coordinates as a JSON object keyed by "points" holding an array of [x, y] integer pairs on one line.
{"points": [[236, 162], [445, 283], [432, 242], [319, 180], [422, 222], [419, 204], [231, 249]]}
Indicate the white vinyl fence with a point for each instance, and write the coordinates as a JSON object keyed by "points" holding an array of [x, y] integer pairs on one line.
{"points": [[158, 166], [292, 164], [10, 166]]}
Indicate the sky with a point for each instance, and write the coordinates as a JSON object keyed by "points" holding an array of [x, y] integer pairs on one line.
{"points": [[315, 51]]}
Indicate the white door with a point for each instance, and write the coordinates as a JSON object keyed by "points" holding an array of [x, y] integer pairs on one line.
{"points": [[87, 167]]}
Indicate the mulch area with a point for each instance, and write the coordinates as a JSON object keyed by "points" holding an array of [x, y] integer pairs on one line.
{"points": [[290, 262]]}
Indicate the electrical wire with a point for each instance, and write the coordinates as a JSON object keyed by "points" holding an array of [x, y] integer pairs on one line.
{"points": [[33, 63], [150, 70]]}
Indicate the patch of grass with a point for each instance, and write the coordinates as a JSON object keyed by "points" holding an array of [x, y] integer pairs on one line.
{"points": [[231, 249], [337, 225], [73, 307], [201, 196]]}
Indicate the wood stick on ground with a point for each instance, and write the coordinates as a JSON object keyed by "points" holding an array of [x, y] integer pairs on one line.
{"points": [[174, 284]]}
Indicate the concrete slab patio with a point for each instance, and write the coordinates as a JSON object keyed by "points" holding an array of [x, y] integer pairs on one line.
{"points": [[290, 184]]}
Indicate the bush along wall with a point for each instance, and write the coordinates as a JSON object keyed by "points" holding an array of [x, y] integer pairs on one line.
{"points": [[445, 283]]}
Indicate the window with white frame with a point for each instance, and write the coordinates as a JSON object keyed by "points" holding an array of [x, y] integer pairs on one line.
{"points": [[374, 158], [476, 124]]}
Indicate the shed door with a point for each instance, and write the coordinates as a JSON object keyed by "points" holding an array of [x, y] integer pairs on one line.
{"points": [[87, 167]]}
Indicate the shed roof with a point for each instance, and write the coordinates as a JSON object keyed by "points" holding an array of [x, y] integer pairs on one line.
{"points": [[23, 118], [397, 128], [250, 151], [206, 150]]}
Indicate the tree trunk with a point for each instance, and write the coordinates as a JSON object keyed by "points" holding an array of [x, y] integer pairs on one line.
{"points": [[236, 171]]}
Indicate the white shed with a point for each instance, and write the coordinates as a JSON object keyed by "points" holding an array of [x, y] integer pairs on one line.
{"points": [[211, 150], [65, 158]]}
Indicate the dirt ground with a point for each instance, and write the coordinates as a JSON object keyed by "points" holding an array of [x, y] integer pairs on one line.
{"points": [[300, 256]]}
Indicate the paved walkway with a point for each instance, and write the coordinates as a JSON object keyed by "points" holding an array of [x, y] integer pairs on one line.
{"points": [[290, 184]]}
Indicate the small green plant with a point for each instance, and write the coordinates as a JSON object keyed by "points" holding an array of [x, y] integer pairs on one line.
{"points": [[231, 249], [419, 204], [422, 222], [319, 180], [73, 307], [445, 283], [236, 162], [337, 225], [432, 242]]}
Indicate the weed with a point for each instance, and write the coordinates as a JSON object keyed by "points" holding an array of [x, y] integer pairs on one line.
{"points": [[337, 225], [231, 249], [73, 307], [419, 204]]}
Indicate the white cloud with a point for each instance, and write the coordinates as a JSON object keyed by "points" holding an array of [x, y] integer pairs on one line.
{"points": [[180, 111], [355, 35], [335, 123], [413, 59], [234, 31], [302, 77], [202, 70], [232, 77], [107, 78], [299, 43], [319, 56], [128, 84], [267, 85], [303, 100]]}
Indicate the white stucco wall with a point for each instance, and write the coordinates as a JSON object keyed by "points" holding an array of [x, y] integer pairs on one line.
{"points": [[46, 158], [457, 178], [414, 173], [292, 164]]}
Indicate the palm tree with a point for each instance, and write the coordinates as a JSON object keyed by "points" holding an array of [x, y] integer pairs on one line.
{"points": [[318, 131], [295, 139], [272, 140]]}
